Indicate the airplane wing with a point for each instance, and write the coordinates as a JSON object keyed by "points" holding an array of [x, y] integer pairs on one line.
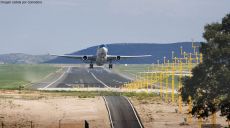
{"points": [[81, 57], [118, 57]]}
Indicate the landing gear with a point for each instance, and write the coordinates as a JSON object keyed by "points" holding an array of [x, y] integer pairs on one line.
{"points": [[110, 66], [91, 66]]}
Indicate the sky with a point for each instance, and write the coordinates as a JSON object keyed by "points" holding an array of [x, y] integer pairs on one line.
{"points": [[65, 26]]}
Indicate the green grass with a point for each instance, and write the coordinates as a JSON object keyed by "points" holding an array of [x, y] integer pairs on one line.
{"points": [[14, 75], [92, 94], [80, 94]]}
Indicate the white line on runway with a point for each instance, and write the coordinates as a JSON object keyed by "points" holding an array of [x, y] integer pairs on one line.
{"points": [[110, 117], [134, 111], [99, 80], [57, 78]]}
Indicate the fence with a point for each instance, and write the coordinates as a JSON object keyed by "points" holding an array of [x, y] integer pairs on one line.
{"points": [[62, 123]]}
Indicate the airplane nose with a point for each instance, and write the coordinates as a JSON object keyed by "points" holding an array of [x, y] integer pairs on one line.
{"points": [[105, 49]]}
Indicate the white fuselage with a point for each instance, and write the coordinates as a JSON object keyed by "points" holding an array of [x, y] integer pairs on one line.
{"points": [[101, 58]]}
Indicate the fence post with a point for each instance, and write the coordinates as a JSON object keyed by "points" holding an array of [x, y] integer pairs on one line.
{"points": [[59, 124], [31, 124], [86, 124]]}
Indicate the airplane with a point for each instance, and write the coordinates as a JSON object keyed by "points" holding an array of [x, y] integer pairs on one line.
{"points": [[101, 57]]}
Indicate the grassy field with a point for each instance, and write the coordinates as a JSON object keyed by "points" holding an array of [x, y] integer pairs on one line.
{"points": [[14, 75], [35, 95]]}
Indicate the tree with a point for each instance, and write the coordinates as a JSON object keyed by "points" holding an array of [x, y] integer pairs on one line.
{"points": [[209, 86]]}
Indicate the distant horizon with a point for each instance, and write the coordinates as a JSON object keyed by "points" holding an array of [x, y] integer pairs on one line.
{"points": [[97, 45]]}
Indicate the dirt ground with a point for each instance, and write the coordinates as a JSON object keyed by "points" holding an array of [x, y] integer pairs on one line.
{"points": [[157, 114], [48, 111], [51, 111]]}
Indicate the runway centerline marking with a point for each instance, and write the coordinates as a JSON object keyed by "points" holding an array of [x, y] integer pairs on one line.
{"points": [[57, 78], [99, 80]]}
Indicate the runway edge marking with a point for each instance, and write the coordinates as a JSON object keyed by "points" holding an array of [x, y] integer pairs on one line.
{"points": [[99, 80], [134, 110], [107, 107], [58, 78]]}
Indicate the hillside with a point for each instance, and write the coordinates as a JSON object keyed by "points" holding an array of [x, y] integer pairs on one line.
{"points": [[158, 51]]}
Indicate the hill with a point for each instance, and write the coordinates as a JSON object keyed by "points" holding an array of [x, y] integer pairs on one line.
{"points": [[158, 51]]}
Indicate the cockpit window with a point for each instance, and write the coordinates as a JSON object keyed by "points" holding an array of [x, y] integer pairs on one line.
{"points": [[101, 46]]}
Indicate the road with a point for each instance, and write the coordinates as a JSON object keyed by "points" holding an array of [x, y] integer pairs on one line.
{"points": [[84, 77], [122, 113]]}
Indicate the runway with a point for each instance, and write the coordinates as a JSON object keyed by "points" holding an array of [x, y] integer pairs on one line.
{"points": [[122, 113], [83, 77]]}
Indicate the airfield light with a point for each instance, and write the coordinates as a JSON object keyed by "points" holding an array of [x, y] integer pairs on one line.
{"points": [[190, 98], [193, 46], [156, 77], [136, 81], [181, 50], [166, 82], [190, 109], [163, 76], [184, 54], [180, 86], [164, 59], [190, 62], [161, 83], [175, 60], [180, 76], [172, 54], [201, 58], [173, 77], [152, 79], [197, 59], [147, 82], [158, 63]]}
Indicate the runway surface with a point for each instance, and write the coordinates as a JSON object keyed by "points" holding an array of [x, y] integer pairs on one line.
{"points": [[73, 77], [122, 113]]}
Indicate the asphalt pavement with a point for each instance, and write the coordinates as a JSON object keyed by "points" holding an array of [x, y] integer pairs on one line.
{"points": [[122, 113], [74, 77]]}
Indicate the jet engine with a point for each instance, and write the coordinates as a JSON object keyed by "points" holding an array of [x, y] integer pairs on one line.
{"points": [[118, 57], [84, 58]]}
